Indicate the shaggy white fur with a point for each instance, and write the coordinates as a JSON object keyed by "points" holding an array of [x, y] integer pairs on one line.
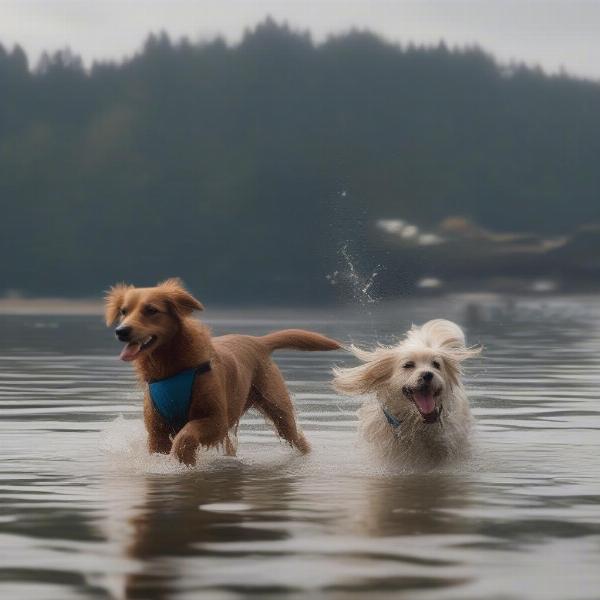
{"points": [[418, 383]]}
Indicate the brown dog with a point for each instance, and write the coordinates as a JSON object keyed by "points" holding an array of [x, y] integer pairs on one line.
{"points": [[226, 375]]}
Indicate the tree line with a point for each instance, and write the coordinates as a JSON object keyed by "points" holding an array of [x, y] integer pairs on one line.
{"points": [[244, 168]]}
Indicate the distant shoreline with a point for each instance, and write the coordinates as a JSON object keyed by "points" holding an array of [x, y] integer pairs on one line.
{"points": [[49, 306], [95, 307]]}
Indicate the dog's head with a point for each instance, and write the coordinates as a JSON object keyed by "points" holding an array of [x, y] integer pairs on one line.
{"points": [[422, 378], [418, 372], [146, 318]]}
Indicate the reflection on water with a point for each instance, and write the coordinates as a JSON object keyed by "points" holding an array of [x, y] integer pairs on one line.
{"points": [[85, 512]]}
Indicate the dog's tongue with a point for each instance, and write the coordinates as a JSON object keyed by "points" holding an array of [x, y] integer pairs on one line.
{"points": [[130, 351], [425, 402]]}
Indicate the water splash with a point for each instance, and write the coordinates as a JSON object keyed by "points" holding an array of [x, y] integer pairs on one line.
{"points": [[360, 285], [124, 442]]}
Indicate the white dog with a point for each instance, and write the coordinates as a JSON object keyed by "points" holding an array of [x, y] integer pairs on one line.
{"points": [[418, 415]]}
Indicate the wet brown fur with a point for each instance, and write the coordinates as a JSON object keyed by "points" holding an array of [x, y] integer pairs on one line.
{"points": [[243, 374]]}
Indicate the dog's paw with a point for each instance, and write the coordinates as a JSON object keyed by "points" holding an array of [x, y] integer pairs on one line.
{"points": [[184, 449], [302, 444]]}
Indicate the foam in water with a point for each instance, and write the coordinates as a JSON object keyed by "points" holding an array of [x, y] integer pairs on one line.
{"points": [[124, 441]]}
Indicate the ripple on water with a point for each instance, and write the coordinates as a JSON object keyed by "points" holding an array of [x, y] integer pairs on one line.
{"points": [[85, 511]]}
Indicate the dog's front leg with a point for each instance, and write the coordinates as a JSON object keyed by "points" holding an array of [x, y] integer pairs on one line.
{"points": [[159, 443], [159, 440], [199, 432]]}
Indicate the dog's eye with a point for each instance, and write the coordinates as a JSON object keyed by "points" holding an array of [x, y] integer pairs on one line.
{"points": [[151, 310], [408, 365], [436, 365], [122, 311]]}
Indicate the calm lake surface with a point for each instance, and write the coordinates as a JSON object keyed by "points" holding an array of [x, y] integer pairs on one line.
{"points": [[86, 513]]}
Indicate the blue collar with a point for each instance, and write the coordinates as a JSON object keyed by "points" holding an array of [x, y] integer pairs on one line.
{"points": [[391, 419], [172, 396]]}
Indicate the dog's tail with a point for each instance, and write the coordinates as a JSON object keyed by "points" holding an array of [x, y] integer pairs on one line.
{"points": [[298, 339]]}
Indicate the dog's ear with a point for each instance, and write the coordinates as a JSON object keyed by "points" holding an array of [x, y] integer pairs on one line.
{"points": [[454, 357], [113, 302], [182, 302], [378, 368]]}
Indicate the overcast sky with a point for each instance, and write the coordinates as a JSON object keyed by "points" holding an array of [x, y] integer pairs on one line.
{"points": [[552, 33]]}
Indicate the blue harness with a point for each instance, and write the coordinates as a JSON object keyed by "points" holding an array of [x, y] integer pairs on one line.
{"points": [[172, 396], [391, 419]]}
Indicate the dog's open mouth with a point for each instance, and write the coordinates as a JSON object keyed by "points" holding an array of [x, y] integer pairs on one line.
{"points": [[424, 400], [133, 349]]}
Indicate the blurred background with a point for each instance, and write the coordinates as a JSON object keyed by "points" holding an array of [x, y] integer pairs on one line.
{"points": [[288, 152]]}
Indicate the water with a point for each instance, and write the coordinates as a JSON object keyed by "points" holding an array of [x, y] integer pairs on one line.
{"points": [[85, 512]]}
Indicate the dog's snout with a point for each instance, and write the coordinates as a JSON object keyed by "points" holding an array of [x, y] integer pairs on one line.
{"points": [[427, 376], [123, 332]]}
